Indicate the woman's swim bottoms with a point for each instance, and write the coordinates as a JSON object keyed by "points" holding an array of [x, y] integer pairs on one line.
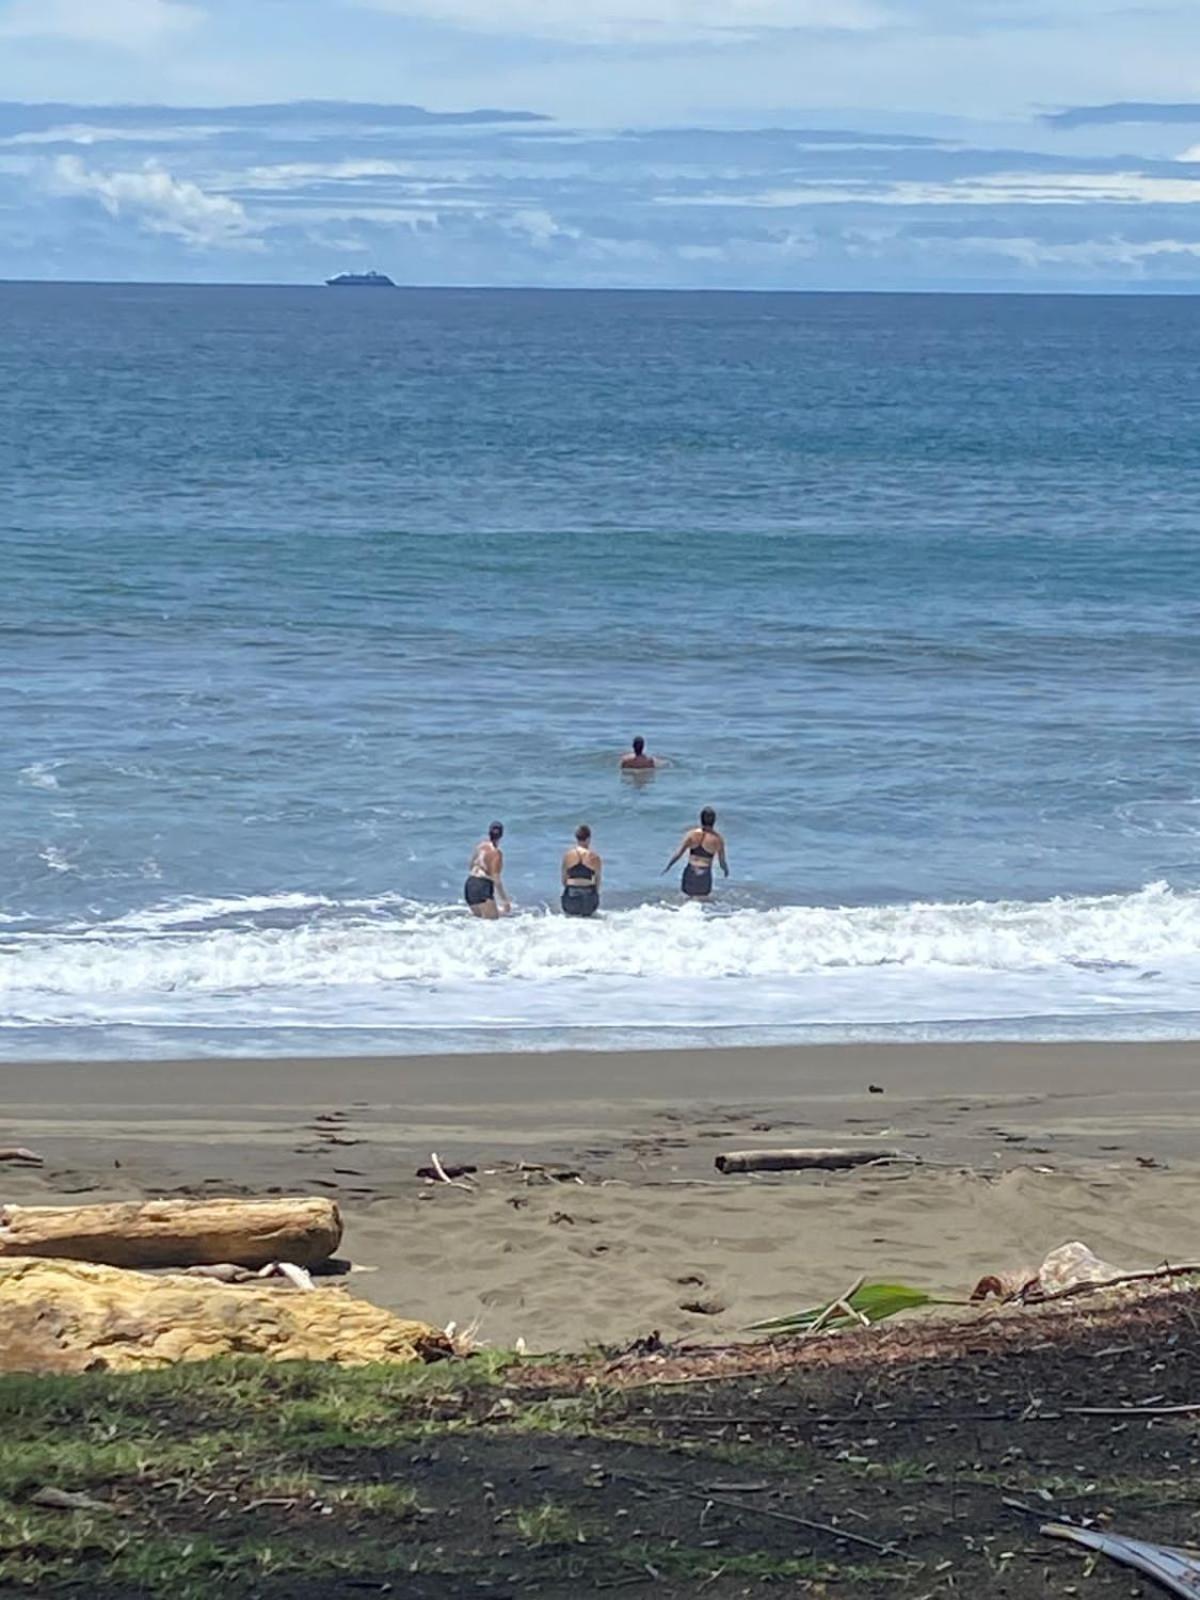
{"points": [[477, 891], [697, 881], [580, 902]]}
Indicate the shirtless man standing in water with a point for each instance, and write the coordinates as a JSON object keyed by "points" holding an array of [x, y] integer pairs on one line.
{"points": [[484, 889]]}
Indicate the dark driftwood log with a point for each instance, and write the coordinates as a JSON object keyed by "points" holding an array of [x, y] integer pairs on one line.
{"points": [[176, 1233], [800, 1160]]}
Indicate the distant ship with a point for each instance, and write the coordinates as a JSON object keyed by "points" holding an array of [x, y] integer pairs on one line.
{"points": [[360, 280]]}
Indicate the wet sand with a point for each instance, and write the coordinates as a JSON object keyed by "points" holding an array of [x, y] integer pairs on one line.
{"points": [[629, 1228]]}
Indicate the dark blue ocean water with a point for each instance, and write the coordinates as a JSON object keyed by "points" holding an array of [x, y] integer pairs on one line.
{"points": [[300, 588]]}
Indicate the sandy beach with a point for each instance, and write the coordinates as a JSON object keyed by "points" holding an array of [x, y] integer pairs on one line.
{"points": [[628, 1228]]}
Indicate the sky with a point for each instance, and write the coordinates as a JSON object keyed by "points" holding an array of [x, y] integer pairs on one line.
{"points": [[773, 144]]}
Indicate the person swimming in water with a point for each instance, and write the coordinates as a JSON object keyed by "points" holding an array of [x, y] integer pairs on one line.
{"points": [[484, 889], [581, 869], [636, 760], [701, 846]]}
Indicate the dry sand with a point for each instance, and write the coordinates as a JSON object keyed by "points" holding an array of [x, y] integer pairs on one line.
{"points": [[1022, 1148]]}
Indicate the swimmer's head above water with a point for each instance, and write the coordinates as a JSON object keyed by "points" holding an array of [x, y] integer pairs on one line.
{"points": [[708, 818], [639, 745], [496, 832], [583, 833]]}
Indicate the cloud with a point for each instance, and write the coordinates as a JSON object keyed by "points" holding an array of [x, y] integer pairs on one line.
{"points": [[994, 189], [643, 21], [159, 203], [126, 24], [1124, 112], [1098, 256]]}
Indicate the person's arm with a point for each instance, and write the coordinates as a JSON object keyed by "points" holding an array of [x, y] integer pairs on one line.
{"points": [[721, 854], [599, 871], [563, 869], [498, 880], [687, 839]]}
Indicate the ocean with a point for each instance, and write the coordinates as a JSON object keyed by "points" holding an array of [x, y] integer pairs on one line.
{"points": [[303, 587]]}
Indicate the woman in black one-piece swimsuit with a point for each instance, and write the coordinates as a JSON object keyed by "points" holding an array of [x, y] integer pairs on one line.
{"points": [[701, 846], [581, 868]]}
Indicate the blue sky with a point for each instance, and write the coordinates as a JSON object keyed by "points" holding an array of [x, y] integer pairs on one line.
{"points": [[683, 143]]}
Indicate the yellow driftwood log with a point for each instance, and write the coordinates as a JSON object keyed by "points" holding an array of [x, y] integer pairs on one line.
{"points": [[176, 1233], [72, 1316]]}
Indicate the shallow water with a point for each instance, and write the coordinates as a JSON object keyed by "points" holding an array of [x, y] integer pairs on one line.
{"points": [[302, 588]]}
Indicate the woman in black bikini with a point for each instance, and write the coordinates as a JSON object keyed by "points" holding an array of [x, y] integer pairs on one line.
{"points": [[484, 889], [701, 845], [581, 869]]}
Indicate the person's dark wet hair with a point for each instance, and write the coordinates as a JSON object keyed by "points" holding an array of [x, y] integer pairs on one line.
{"points": [[639, 744], [583, 833], [496, 832], [708, 817]]}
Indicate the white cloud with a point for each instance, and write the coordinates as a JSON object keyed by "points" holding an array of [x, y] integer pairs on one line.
{"points": [[159, 203], [538, 226], [127, 24], [1002, 188], [643, 21], [1093, 255]]}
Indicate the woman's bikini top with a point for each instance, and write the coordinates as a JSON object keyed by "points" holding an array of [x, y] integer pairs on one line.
{"points": [[699, 856], [581, 876]]}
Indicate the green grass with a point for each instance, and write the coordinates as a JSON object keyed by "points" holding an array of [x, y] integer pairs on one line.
{"points": [[549, 1524]]}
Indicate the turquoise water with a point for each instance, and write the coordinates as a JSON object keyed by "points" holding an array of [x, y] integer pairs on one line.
{"points": [[302, 587]]}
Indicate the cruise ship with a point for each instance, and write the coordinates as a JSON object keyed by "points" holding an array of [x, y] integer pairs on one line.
{"points": [[360, 280]]}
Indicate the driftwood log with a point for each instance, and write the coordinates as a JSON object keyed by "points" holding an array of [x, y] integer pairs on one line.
{"points": [[801, 1160], [176, 1233], [73, 1316]]}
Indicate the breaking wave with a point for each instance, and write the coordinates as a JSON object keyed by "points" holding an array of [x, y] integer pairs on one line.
{"points": [[305, 960]]}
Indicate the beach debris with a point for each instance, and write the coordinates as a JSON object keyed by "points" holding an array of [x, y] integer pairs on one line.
{"points": [[444, 1171], [1176, 1570], [53, 1499], [1069, 1264], [177, 1233], [228, 1272], [437, 1173], [296, 1276], [18, 1152], [860, 1306], [534, 1170], [805, 1160], [1069, 1270], [874, 1088], [76, 1316]]}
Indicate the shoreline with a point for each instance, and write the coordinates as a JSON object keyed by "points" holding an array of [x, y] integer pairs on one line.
{"points": [[1023, 1147]]}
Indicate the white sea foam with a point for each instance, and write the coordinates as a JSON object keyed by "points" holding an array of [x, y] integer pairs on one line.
{"points": [[299, 960], [39, 775]]}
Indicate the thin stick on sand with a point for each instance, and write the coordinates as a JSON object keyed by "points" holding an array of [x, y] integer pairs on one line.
{"points": [[444, 1177], [842, 1305]]}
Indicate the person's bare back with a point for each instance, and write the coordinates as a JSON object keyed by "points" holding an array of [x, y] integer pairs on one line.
{"points": [[636, 760]]}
